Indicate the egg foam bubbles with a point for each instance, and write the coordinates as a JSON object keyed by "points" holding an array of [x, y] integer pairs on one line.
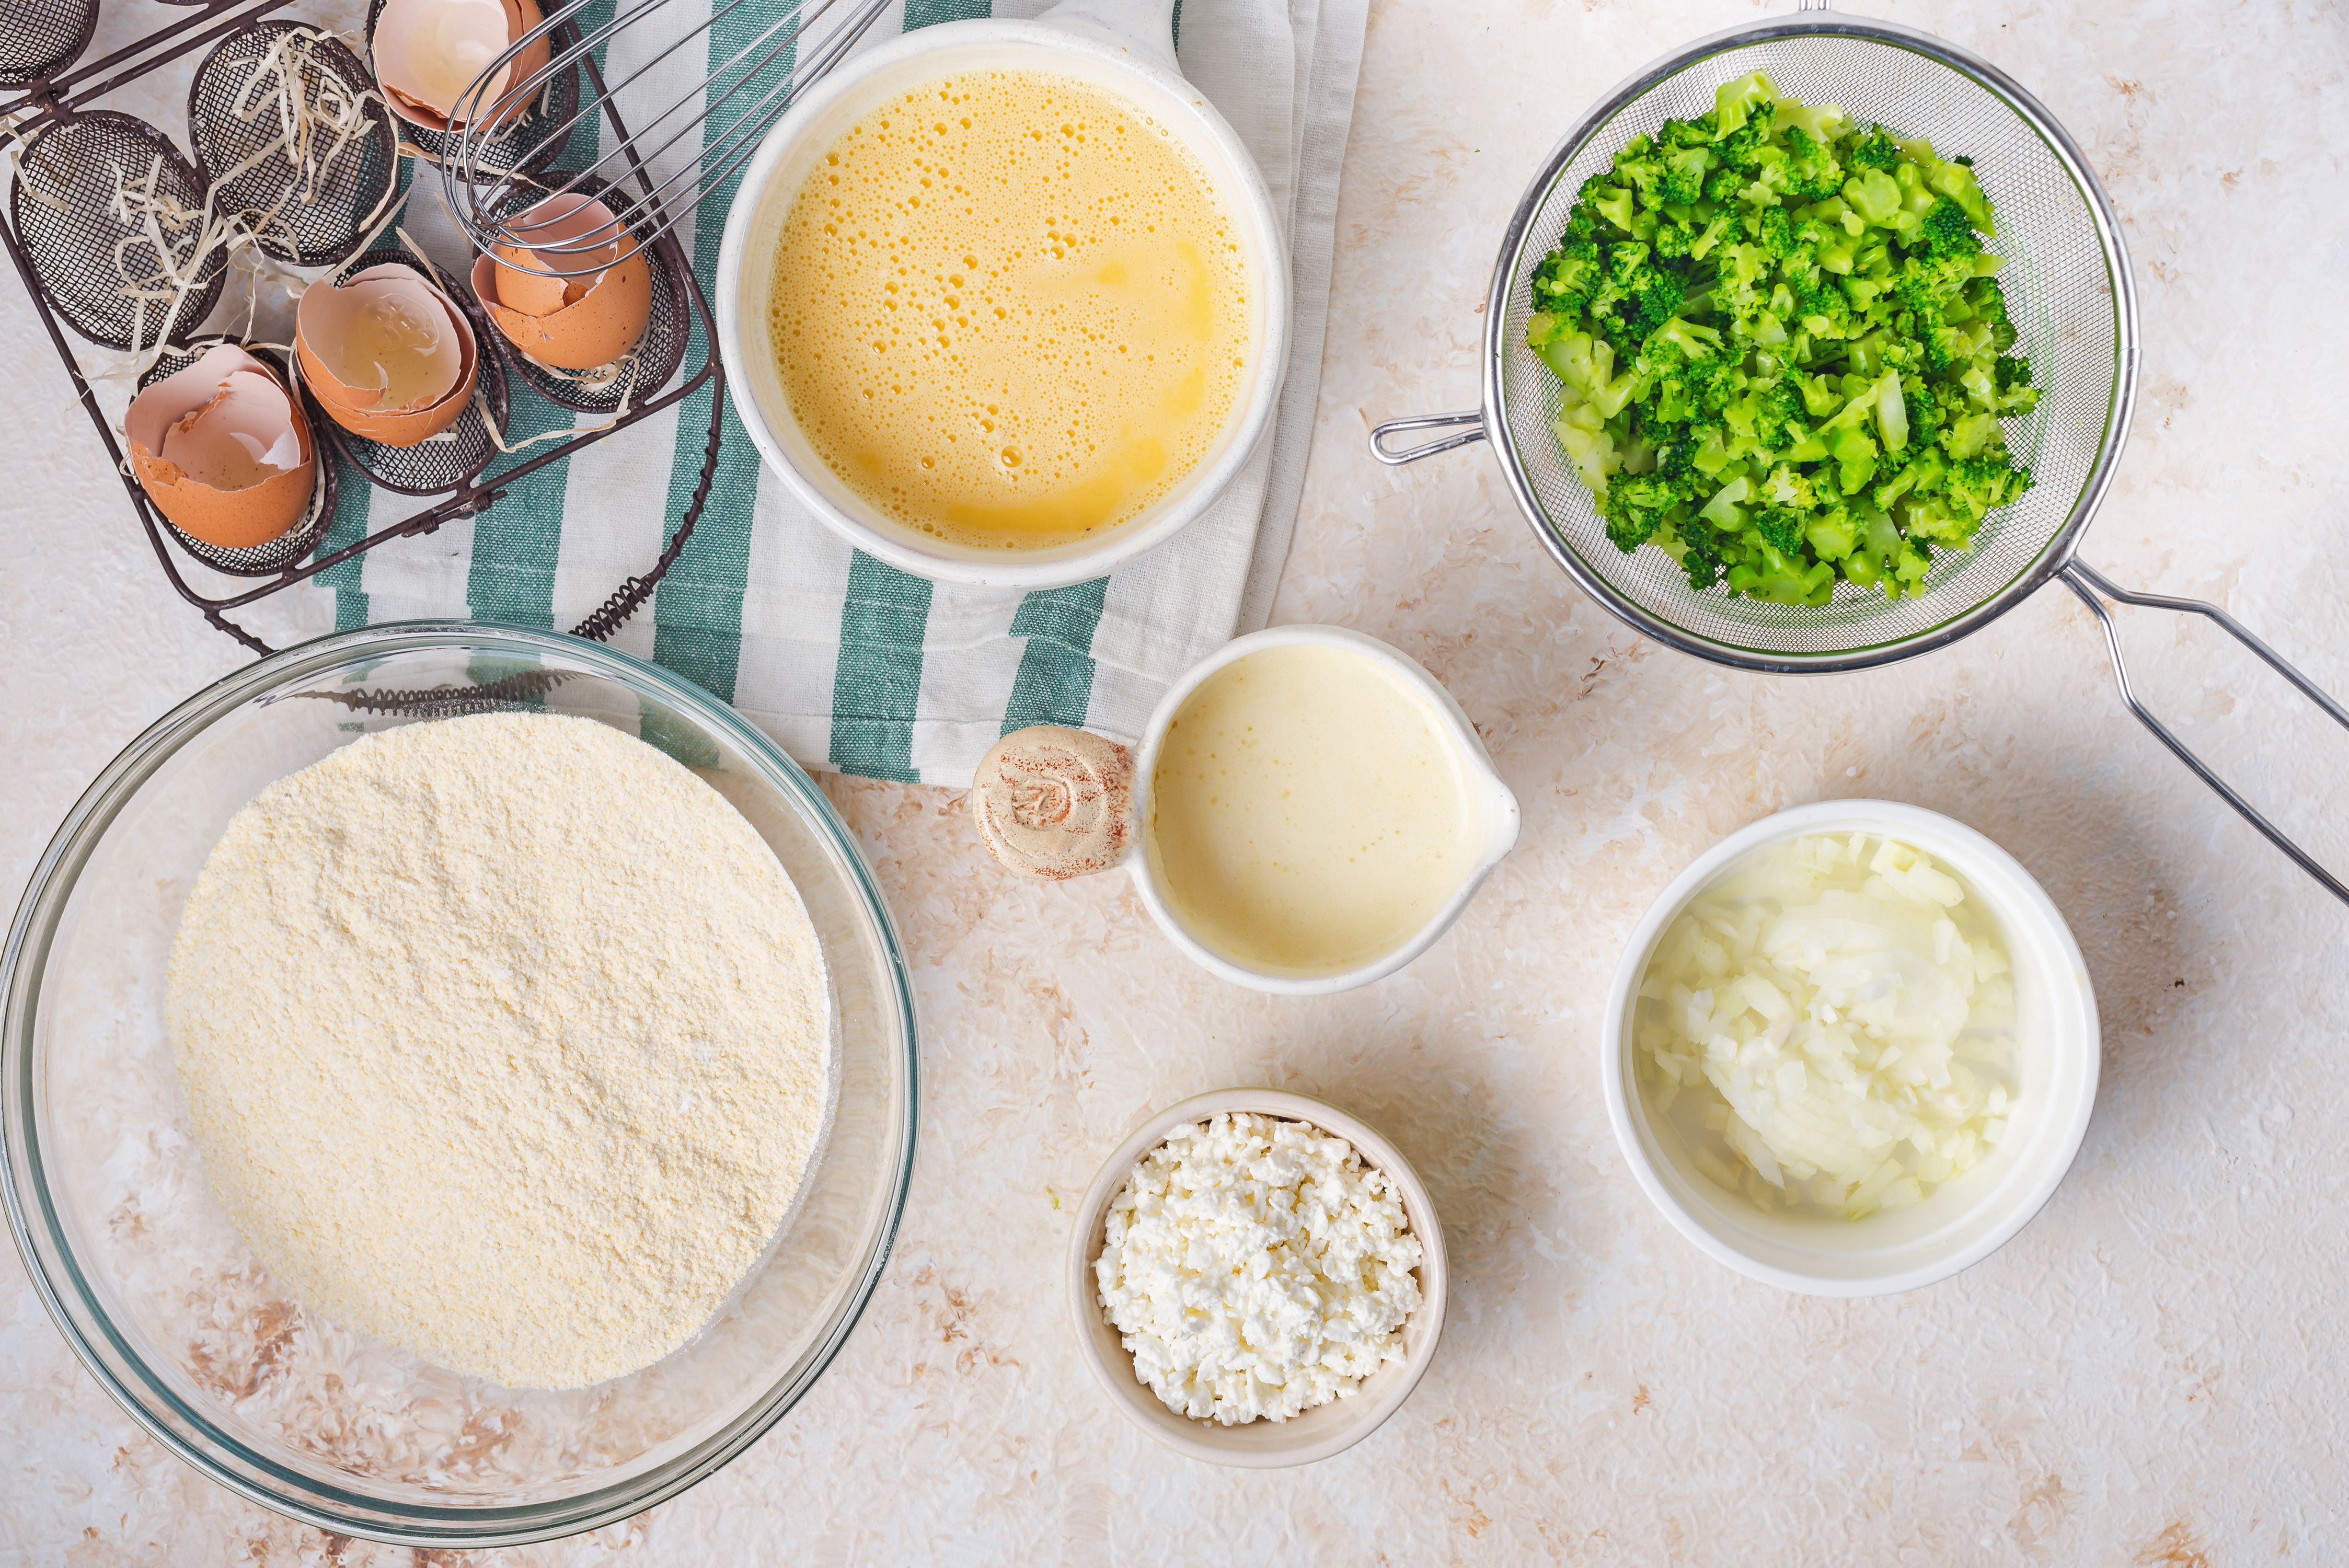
{"points": [[1009, 311]]}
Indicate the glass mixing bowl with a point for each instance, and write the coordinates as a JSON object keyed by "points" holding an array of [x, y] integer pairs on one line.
{"points": [[174, 1315]]}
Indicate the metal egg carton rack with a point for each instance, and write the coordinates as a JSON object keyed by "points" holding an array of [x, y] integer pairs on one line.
{"points": [[65, 222]]}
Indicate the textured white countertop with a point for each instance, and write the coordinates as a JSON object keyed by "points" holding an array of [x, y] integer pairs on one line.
{"points": [[2149, 1373]]}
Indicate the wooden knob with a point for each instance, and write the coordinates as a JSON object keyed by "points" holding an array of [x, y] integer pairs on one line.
{"points": [[1053, 802]]}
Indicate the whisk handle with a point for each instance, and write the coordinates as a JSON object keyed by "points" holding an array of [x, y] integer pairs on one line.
{"points": [[2094, 588], [1144, 26]]}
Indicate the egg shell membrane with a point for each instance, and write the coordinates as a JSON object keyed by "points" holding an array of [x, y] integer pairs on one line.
{"points": [[324, 320], [227, 519], [348, 405], [581, 332], [521, 16]]}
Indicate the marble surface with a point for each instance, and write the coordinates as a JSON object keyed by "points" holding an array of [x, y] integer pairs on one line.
{"points": [[2148, 1374]]}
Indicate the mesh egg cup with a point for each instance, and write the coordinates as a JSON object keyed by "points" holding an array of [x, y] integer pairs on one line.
{"points": [[64, 225]]}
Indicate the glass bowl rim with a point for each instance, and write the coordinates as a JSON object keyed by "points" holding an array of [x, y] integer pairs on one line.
{"points": [[53, 1268]]}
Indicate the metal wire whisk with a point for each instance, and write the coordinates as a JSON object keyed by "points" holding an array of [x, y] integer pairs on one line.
{"points": [[657, 172]]}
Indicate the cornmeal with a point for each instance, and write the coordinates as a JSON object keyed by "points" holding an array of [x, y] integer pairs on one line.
{"points": [[505, 1038]]}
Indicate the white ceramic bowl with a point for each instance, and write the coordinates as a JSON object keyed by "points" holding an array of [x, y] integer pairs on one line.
{"points": [[1494, 823], [1964, 1219], [1321, 1432], [1125, 49]]}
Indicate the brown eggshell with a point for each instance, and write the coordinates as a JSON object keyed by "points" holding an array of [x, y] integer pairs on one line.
{"points": [[526, 292], [396, 32], [602, 317], [521, 16], [353, 407], [326, 317], [184, 407]]}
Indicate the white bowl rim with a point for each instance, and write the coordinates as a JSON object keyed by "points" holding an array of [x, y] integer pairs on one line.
{"points": [[1499, 803], [1207, 1442], [1891, 818], [1080, 35]]}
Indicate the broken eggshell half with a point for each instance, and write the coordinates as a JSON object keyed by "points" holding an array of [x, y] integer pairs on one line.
{"points": [[577, 323], [222, 450], [425, 53], [387, 354]]}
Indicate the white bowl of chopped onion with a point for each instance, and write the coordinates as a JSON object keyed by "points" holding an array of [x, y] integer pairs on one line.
{"points": [[1851, 1049]]}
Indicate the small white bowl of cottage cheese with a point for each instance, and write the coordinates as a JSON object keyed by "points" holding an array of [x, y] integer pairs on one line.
{"points": [[1257, 1278]]}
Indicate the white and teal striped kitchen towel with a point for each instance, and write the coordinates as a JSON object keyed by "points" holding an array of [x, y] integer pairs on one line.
{"points": [[847, 662]]}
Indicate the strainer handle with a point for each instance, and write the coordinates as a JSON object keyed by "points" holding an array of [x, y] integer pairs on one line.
{"points": [[1474, 418], [2094, 588]]}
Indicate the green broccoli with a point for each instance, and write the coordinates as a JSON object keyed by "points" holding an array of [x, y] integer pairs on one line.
{"points": [[1567, 276], [1704, 554], [1776, 404], [1874, 150], [1735, 103], [1813, 172], [1684, 133], [1782, 530], [1783, 354], [1683, 176], [1641, 503], [1831, 533], [1946, 231], [1979, 484]]}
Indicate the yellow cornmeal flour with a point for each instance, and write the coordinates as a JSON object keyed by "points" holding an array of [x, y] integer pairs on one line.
{"points": [[504, 1039]]}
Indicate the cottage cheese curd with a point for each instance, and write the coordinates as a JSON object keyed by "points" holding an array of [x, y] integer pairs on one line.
{"points": [[1257, 1268]]}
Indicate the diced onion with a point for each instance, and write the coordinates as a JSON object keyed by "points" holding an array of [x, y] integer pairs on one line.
{"points": [[1852, 1017]]}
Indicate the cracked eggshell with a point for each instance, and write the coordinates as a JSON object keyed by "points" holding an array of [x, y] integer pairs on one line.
{"points": [[574, 324], [425, 53], [323, 324], [222, 450]]}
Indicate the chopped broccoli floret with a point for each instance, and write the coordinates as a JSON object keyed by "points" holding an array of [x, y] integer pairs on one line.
{"points": [[1946, 231], [1704, 554], [1782, 530], [1776, 404], [1874, 150], [1651, 295], [1874, 195], [1831, 533], [1684, 133], [1978, 484], [1683, 176], [1813, 172], [1641, 503], [1783, 355], [1567, 275], [1737, 104]]}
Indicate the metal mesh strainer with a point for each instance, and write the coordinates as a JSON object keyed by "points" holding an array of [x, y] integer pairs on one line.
{"points": [[2068, 289]]}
